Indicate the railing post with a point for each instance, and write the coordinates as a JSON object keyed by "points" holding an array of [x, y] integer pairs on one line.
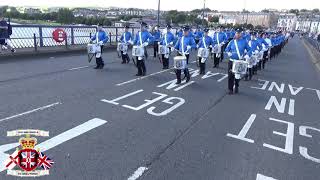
{"points": [[72, 36], [90, 36], [66, 41], [116, 34], [110, 37], [35, 42], [41, 36]]}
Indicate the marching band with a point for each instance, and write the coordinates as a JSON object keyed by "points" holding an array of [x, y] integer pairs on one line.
{"points": [[248, 50]]}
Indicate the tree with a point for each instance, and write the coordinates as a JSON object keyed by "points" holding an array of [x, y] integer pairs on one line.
{"points": [[65, 16], [315, 11], [265, 11], [294, 11], [213, 19]]}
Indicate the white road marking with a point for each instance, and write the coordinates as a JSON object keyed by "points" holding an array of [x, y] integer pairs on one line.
{"points": [[143, 77], [114, 101], [70, 134], [31, 111], [59, 139], [262, 177], [317, 91], [77, 68], [138, 173], [244, 130], [224, 77]]}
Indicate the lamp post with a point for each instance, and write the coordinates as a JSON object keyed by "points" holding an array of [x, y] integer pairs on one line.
{"points": [[9, 13], [204, 7], [159, 13]]}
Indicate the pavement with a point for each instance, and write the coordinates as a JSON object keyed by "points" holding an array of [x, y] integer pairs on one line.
{"points": [[110, 125]]}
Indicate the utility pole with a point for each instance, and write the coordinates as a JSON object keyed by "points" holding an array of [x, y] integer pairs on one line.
{"points": [[159, 13], [204, 7]]}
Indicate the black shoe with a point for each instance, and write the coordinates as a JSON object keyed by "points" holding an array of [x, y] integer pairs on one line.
{"points": [[138, 74], [97, 67], [144, 74], [101, 67], [123, 62], [236, 91], [188, 78], [230, 92], [13, 50], [178, 82]]}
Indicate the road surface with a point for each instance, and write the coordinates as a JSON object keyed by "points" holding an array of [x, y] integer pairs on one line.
{"points": [[109, 124]]}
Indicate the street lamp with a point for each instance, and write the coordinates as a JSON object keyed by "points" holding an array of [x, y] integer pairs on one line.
{"points": [[204, 7], [9, 11], [159, 13]]}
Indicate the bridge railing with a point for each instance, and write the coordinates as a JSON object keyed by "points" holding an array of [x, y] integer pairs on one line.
{"points": [[315, 43], [39, 36]]}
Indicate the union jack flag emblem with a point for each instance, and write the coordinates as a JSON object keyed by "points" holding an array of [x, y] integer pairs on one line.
{"points": [[44, 162]]}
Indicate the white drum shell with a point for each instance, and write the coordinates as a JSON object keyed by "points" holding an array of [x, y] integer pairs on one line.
{"points": [[203, 52], [180, 62], [137, 51], [239, 67]]}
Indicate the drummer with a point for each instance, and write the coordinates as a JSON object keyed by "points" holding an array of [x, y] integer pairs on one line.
{"points": [[125, 39], [184, 46], [236, 51], [255, 47], [167, 41], [100, 38], [205, 42], [143, 39]]}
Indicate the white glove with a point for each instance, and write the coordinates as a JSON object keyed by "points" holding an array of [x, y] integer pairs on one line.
{"points": [[172, 49], [188, 47], [229, 54], [100, 43], [145, 44], [246, 56], [197, 46], [158, 43], [223, 43], [171, 43], [256, 51]]}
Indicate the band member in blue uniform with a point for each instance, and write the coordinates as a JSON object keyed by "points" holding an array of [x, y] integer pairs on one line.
{"points": [[100, 38], [126, 39], [220, 39], [184, 46], [167, 40], [205, 42], [237, 50], [156, 37], [198, 35], [265, 47], [255, 48], [143, 38]]}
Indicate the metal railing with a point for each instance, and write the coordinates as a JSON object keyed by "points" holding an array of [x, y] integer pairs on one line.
{"points": [[314, 43], [39, 36]]}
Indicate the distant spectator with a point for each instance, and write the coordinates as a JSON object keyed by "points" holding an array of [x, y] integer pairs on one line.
{"points": [[5, 32]]}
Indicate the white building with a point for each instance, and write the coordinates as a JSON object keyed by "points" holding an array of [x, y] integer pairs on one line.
{"points": [[287, 22]]}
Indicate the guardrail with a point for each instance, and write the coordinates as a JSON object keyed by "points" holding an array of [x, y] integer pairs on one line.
{"points": [[38, 36], [314, 43]]}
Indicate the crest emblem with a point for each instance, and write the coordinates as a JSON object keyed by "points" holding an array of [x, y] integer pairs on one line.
{"points": [[28, 159]]}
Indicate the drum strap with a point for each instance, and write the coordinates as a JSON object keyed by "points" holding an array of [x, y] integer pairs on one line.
{"points": [[97, 36], [237, 48], [204, 42], [124, 37], [140, 36], [165, 39], [250, 43], [217, 37], [182, 45]]}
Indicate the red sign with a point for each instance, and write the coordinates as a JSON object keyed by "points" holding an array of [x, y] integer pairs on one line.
{"points": [[59, 35]]}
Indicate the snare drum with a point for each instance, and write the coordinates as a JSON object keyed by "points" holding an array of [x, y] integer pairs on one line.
{"points": [[216, 49], [163, 49], [92, 48], [239, 67], [137, 51], [260, 55], [251, 61], [203, 52], [122, 47], [180, 62]]}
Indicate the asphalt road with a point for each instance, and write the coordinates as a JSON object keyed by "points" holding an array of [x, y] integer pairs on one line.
{"points": [[109, 125]]}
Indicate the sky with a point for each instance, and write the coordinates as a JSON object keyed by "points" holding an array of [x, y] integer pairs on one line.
{"points": [[183, 5]]}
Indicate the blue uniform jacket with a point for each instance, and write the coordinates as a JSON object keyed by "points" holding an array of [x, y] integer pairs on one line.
{"points": [[169, 37], [101, 35], [208, 41], [126, 36], [198, 35], [262, 41], [145, 37], [187, 41], [156, 35], [255, 45], [242, 46], [220, 37]]}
